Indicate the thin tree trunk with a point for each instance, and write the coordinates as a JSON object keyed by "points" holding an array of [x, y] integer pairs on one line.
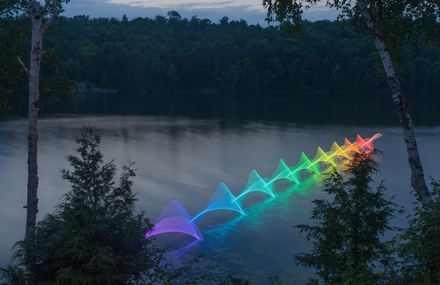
{"points": [[417, 175], [38, 30], [34, 75]]}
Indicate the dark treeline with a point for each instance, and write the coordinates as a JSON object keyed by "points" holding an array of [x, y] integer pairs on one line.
{"points": [[175, 54]]}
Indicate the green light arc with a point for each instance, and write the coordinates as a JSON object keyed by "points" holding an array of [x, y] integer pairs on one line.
{"points": [[174, 217]]}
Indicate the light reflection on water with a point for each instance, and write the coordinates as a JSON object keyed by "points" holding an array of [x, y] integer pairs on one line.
{"points": [[185, 159], [260, 244]]}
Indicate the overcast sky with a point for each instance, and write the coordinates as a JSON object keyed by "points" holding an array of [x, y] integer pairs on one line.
{"points": [[250, 10]]}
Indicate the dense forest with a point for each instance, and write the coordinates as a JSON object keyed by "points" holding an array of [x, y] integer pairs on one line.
{"points": [[175, 54]]}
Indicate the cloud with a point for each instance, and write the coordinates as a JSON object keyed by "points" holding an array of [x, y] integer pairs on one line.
{"points": [[249, 10], [187, 5]]}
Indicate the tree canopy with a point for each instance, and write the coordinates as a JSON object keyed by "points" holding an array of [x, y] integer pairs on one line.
{"points": [[401, 22], [177, 54]]}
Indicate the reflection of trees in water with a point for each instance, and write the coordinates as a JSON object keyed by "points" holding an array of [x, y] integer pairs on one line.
{"points": [[345, 109]]}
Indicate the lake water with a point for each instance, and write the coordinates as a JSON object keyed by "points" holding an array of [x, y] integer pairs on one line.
{"points": [[183, 148]]}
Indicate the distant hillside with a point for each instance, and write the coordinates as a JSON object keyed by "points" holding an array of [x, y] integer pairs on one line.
{"points": [[175, 54]]}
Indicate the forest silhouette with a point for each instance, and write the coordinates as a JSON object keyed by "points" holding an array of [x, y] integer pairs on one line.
{"points": [[176, 54]]}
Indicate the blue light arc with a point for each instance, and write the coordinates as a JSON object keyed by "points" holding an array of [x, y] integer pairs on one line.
{"points": [[174, 217]]}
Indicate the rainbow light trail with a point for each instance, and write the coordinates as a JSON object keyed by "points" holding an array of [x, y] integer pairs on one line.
{"points": [[174, 217]]}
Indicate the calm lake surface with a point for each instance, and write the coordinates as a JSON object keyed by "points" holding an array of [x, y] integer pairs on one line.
{"points": [[183, 148]]}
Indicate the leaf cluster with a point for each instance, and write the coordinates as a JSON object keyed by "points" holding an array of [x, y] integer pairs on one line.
{"points": [[12, 275], [21, 7], [11, 8], [418, 246]]}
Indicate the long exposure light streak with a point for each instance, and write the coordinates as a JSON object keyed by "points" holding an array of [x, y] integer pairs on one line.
{"points": [[174, 217]]}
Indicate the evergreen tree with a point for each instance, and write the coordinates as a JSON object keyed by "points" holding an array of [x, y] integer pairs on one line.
{"points": [[346, 239], [95, 236]]}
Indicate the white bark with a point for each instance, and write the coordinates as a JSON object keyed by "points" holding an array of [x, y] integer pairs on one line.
{"points": [[38, 30], [417, 175]]}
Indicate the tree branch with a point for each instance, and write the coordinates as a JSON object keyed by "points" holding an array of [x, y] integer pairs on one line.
{"points": [[24, 67], [52, 19]]}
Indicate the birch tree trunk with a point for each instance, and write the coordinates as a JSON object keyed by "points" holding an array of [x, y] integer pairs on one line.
{"points": [[417, 175], [33, 73]]}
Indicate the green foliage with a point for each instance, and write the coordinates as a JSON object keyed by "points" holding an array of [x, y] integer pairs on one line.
{"points": [[95, 236], [9, 8], [12, 77], [418, 246], [173, 53], [14, 35], [12, 275], [401, 22], [54, 82], [346, 238]]}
